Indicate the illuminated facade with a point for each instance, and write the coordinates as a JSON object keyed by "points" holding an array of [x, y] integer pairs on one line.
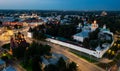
{"points": [[94, 26], [12, 23]]}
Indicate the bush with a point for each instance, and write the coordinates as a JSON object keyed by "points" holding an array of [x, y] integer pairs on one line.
{"points": [[6, 46]]}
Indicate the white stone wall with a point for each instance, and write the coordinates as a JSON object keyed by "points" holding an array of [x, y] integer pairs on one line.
{"points": [[97, 54], [102, 52], [78, 38]]}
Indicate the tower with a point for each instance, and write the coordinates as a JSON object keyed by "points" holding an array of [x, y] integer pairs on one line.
{"points": [[94, 26], [104, 26]]}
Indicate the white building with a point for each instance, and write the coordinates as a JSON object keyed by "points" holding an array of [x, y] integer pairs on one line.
{"points": [[80, 36], [85, 31], [29, 34]]}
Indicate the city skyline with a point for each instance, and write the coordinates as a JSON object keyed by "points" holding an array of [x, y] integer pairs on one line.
{"points": [[61, 5]]}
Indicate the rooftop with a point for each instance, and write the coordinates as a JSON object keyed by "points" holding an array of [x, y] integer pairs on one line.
{"points": [[10, 68], [1, 62], [83, 33], [54, 59]]}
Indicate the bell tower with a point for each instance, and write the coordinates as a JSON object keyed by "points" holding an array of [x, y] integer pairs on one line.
{"points": [[94, 26]]}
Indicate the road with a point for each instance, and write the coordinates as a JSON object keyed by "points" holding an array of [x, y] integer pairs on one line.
{"points": [[83, 65]]}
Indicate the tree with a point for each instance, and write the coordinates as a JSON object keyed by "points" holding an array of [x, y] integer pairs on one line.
{"points": [[47, 49], [51, 67], [72, 66], [19, 52], [67, 31], [6, 46], [0, 23], [94, 35], [93, 43], [5, 58], [86, 42], [35, 49], [61, 64], [39, 35], [38, 49], [36, 64]]}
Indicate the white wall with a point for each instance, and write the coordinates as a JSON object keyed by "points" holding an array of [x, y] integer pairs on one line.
{"points": [[97, 54], [78, 38], [102, 52]]}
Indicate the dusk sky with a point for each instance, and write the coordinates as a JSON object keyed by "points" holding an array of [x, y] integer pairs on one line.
{"points": [[61, 4]]}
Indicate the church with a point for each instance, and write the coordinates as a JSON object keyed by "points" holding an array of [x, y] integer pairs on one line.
{"points": [[87, 28]]}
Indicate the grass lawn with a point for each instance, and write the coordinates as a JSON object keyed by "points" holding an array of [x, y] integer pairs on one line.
{"points": [[87, 57]]}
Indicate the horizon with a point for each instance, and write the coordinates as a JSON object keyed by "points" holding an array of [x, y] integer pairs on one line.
{"points": [[59, 10]]}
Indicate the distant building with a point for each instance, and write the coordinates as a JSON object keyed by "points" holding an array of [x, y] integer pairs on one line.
{"points": [[6, 19], [33, 22], [104, 13], [25, 16], [12, 23]]}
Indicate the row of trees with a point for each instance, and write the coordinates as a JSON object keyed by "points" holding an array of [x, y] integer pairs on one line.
{"points": [[112, 22], [38, 32], [111, 53], [66, 31], [39, 35]]}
